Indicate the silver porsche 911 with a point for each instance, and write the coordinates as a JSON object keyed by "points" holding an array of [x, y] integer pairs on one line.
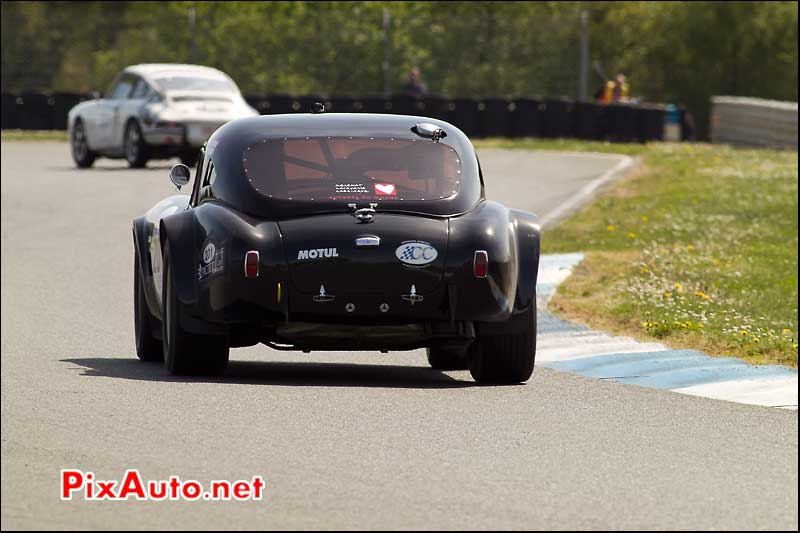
{"points": [[155, 111]]}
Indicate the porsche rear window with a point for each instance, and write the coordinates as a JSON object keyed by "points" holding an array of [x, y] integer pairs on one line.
{"points": [[194, 83], [352, 168]]}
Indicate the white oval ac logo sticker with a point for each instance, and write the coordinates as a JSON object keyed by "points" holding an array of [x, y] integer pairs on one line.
{"points": [[416, 253], [208, 252]]}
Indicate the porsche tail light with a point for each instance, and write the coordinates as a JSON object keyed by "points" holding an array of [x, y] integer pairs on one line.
{"points": [[480, 266], [251, 264]]}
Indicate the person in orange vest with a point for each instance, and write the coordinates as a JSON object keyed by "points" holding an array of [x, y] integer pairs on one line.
{"points": [[615, 90]]}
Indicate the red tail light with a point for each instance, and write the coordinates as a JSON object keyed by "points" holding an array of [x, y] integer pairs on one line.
{"points": [[480, 265], [251, 264]]}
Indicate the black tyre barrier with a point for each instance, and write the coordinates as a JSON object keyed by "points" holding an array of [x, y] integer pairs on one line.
{"points": [[558, 119], [279, 104], [486, 117], [62, 103], [374, 104], [621, 123], [34, 111], [405, 105], [9, 113], [343, 104], [494, 115], [463, 113], [436, 107], [590, 121], [527, 118], [650, 122]]}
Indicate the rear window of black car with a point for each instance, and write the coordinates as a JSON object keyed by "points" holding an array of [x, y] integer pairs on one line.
{"points": [[352, 169]]}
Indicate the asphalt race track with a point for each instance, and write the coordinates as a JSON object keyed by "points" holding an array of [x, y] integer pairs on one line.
{"points": [[343, 440]]}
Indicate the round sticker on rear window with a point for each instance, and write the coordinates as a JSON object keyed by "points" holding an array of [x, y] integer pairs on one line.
{"points": [[416, 253]]}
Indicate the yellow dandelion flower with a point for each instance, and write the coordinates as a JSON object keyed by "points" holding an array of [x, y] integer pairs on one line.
{"points": [[645, 219], [756, 339], [611, 227], [667, 294], [690, 247], [787, 330], [701, 294], [744, 333], [631, 235], [794, 346]]}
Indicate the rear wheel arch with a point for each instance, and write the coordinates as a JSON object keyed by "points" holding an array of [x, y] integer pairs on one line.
{"points": [[177, 232], [528, 235], [142, 248]]}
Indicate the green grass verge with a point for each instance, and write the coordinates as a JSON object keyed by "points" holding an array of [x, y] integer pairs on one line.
{"points": [[30, 135], [698, 248]]}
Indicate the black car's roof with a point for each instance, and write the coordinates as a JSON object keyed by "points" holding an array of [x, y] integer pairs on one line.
{"points": [[226, 147], [274, 126]]}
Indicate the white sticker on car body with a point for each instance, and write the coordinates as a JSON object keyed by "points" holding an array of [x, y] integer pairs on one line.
{"points": [[208, 252], [416, 253], [317, 253]]}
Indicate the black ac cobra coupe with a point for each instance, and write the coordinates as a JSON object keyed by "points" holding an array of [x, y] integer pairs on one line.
{"points": [[337, 232]]}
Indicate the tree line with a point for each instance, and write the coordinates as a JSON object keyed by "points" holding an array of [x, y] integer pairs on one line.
{"points": [[681, 52]]}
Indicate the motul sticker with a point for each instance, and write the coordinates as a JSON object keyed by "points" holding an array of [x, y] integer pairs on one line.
{"points": [[385, 189], [317, 253]]}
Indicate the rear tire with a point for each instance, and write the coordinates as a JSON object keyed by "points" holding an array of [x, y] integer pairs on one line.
{"points": [[506, 357], [136, 149], [184, 352], [447, 359], [79, 146], [148, 348]]}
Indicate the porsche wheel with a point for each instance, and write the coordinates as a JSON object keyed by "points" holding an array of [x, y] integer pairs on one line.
{"points": [[136, 151], [185, 353], [148, 348], [79, 146], [447, 359], [189, 157], [506, 357]]}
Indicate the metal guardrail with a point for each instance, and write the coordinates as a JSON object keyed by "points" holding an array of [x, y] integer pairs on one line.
{"points": [[477, 117], [753, 122]]}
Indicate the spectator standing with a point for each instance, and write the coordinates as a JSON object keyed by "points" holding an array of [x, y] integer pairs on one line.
{"points": [[415, 86], [615, 90]]}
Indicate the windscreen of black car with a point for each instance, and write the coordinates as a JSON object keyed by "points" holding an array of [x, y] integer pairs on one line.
{"points": [[352, 169]]}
